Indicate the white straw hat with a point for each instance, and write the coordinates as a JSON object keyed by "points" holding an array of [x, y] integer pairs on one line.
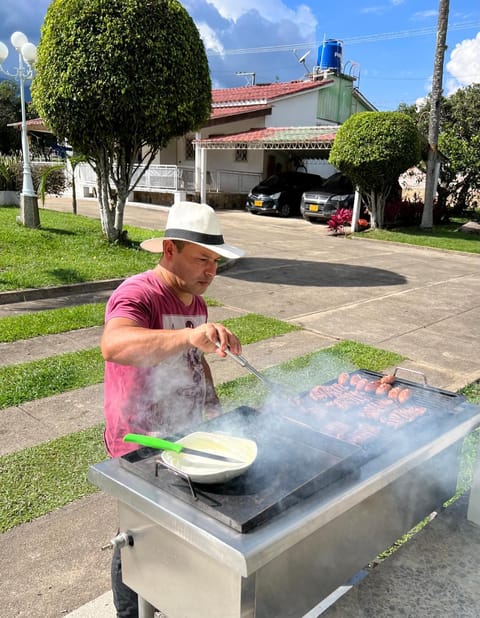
{"points": [[196, 223]]}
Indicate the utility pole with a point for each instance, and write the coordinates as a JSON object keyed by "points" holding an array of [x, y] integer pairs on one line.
{"points": [[434, 121]]}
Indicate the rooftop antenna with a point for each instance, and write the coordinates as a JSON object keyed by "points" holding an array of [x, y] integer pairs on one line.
{"points": [[250, 76], [302, 59]]}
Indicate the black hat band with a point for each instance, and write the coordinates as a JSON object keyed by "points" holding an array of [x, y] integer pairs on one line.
{"points": [[206, 239]]}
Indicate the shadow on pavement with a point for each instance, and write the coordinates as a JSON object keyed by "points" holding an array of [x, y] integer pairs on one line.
{"points": [[307, 273]]}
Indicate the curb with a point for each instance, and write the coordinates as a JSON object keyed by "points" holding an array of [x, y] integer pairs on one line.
{"points": [[20, 296], [58, 291]]}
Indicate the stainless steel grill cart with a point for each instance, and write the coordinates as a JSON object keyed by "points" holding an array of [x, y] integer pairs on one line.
{"points": [[214, 555]]}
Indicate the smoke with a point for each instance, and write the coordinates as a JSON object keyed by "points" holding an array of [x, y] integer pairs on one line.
{"points": [[307, 442], [169, 398]]}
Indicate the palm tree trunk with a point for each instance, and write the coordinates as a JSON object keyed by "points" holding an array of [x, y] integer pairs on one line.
{"points": [[434, 121]]}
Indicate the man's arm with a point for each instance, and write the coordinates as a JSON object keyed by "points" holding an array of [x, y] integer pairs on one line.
{"points": [[126, 343]]}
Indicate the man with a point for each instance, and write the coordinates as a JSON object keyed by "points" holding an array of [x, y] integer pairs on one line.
{"points": [[156, 333]]}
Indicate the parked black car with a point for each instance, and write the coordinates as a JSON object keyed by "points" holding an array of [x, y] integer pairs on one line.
{"points": [[336, 192], [281, 193]]}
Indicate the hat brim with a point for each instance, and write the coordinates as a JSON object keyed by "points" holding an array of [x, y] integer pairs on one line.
{"points": [[155, 245]]}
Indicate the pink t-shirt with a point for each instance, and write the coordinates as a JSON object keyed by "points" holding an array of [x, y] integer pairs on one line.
{"points": [[159, 400]]}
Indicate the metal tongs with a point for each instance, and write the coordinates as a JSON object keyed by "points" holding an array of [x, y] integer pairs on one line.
{"points": [[242, 361]]}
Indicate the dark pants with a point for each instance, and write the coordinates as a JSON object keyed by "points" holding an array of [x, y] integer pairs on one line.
{"points": [[124, 598]]}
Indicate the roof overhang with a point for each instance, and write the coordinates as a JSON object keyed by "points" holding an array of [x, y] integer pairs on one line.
{"points": [[274, 138], [35, 124], [222, 115], [365, 102]]}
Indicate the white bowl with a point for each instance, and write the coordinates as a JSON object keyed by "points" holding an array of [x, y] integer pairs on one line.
{"points": [[203, 470]]}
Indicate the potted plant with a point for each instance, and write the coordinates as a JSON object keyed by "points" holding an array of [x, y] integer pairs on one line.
{"points": [[10, 179]]}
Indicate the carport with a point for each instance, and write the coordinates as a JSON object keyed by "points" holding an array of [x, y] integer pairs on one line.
{"points": [[306, 142]]}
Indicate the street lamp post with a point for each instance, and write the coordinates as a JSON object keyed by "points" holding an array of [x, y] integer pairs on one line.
{"points": [[27, 55]]}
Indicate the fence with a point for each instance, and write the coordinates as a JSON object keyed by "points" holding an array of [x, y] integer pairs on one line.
{"points": [[173, 178]]}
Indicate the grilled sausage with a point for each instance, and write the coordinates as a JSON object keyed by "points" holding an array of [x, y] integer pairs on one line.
{"points": [[355, 378], [361, 384], [383, 389], [387, 379], [404, 395], [371, 387], [393, 394]]}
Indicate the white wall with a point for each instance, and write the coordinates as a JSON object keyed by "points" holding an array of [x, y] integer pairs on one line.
{"points": [[299, 110], [225, 159]]}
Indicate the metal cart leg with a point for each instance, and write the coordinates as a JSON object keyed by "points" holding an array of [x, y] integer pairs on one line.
{"points": [[145, 610], [473, 513]]}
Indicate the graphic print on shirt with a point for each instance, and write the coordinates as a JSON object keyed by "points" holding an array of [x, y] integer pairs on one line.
{"points": [[178, 383]]}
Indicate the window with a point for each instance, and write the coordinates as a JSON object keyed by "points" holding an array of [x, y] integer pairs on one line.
{"points": [[241, 155], [189, 149]]}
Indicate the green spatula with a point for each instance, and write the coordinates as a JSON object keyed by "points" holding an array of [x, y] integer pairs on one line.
{"points": [[166, 445]]}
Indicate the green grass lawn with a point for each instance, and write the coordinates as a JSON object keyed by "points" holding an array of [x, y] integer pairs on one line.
{"points": [[444, 237], [67, 249], [50, 322]]}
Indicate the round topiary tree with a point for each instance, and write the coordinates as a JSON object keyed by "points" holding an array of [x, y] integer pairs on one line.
{"points": [[118, 80], [373, 149]]}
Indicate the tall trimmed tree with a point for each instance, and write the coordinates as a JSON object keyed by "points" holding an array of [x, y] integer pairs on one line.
{"points": [[373, 149], [118, 79], [10, 111]]}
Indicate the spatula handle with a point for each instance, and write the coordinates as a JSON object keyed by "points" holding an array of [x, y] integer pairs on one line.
{"points": [[153, 442]]}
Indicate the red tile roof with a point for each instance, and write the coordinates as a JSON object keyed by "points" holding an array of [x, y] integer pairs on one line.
{"points": [[220, 112], [278, 137], [262, 93]]}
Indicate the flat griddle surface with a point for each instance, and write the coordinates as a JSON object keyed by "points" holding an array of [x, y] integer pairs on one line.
{"points": [[292, 463]]}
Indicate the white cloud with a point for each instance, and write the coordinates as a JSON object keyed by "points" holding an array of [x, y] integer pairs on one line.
{"points": [[464, 64], [210, 39], [380, 9], [424, 15], [373, 10], [271, 10], [226, 26]]}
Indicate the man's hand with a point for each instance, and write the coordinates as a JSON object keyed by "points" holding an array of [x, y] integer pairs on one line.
{"points": [[214, 337]]}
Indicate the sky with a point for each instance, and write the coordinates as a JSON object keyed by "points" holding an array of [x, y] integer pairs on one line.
{"points": [[387, 45]]}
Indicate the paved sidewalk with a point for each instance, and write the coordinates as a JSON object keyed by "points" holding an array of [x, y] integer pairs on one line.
{"points": [[421, 303]]}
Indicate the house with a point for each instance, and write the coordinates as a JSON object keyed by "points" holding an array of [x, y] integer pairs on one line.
{"points": [[254, 131]]}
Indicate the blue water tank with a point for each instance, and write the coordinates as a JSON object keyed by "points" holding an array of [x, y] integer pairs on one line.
{"points": [[330, 55]]}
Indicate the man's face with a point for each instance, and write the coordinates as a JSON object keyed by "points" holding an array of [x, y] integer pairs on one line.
{"points": [[193, 268]]}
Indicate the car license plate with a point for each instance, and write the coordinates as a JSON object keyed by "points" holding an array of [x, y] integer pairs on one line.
{"points": [[258, 203], [313, 208]]}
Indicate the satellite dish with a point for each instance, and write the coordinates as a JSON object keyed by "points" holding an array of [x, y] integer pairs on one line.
{"points": [[304, 57]]}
